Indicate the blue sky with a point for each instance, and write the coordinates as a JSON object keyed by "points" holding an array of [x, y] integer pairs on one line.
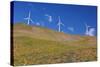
{"points": [[74, 17]]}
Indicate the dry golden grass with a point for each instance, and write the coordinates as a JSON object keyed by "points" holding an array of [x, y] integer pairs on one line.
{"points": [[29, 50]]}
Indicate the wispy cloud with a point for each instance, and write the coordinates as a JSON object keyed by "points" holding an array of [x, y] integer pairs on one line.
{"points": [[91, 32], [71, 29], [38, 24], [49, 17]]}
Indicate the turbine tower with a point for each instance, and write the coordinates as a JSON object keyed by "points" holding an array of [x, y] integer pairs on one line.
{"points": [[59, 24], [29, 18], [87, 29]]}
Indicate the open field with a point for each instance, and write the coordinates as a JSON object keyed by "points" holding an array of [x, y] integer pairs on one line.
{"points": [[37, 45]]}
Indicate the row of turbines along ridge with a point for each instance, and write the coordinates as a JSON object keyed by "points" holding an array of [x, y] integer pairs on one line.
{"points": [[59, 24]]}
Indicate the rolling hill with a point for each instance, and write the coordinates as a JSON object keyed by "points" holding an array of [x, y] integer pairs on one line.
{"points": [[39, 45]]}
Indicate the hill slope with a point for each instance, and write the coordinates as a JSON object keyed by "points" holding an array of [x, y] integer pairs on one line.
{"points": [[38, 45], [46, 34]]}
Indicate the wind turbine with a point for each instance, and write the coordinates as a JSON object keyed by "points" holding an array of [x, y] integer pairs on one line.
{"points": [[29, 18], [87, 29], [59, 24]]}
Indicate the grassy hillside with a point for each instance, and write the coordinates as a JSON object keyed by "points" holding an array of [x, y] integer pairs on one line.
{"points": [[38, 45]]}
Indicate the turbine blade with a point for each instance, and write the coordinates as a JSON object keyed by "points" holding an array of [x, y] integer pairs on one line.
{"points": [[29, 14], [31, 20]]}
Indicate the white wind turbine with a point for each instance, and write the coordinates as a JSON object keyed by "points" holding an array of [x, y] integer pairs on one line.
{"points": [[29, 18], [87, 29], [59, 24]]}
